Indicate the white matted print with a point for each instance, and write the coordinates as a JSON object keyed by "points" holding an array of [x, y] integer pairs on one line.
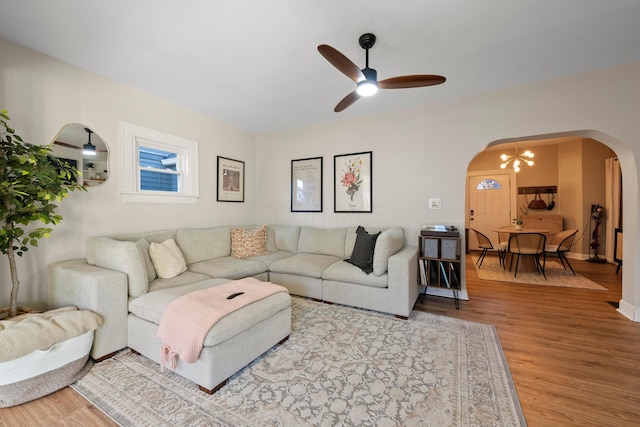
{"points": [[306, 185], [352, 181]]}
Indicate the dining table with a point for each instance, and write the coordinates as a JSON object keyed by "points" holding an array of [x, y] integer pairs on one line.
{"points": [[526, 263]]}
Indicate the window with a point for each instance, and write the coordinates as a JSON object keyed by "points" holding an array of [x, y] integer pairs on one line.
{"points": [[158, 167], [158, 170], [489, 184]]}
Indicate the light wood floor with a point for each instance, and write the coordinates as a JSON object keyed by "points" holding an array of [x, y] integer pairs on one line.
{"points": [[574, 359]]}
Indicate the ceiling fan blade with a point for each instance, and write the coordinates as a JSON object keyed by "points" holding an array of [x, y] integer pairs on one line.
{"points": [[347, 101], [341, 62], [416, 80]]}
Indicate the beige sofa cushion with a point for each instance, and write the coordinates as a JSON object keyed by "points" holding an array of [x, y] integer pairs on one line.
{"points": [[229, 267], [285, 238], [143, 246], [322, 241], [185, 278], [389, 242], [203, 244], [348, 273], [151, 306], [124, 257], [308, 265]]}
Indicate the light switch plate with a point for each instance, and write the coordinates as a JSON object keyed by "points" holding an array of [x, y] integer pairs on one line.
{"points": [[435, 204]]}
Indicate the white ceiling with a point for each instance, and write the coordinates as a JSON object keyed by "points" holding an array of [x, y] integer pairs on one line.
{"points": [[254, 63]]}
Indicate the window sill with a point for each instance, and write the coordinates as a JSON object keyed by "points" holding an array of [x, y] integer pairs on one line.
{"points": [[159, 198]]}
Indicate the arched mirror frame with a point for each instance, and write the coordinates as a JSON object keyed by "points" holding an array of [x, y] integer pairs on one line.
{"points": [[69, 144]]}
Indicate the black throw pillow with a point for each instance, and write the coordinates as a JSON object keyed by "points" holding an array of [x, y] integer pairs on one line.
{"points": [[362, 255]]}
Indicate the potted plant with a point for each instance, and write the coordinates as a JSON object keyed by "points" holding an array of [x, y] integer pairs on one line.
{"points": [[33, 181], [518, 223]]}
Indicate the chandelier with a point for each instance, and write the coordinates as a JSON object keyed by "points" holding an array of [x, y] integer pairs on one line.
{"points": [[517, 159]]}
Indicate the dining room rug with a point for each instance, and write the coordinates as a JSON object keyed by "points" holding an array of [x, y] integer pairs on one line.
{"points": [[556, 275], [340, 367]]}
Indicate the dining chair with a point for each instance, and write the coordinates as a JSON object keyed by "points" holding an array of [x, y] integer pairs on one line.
{"points": [[527, 244], [503, 245], [559, 245], [485, 244]]}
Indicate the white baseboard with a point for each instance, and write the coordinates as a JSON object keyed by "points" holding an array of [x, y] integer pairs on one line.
{"points": [[629, 311]]}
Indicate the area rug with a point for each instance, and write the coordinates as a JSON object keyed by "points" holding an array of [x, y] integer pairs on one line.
{"points": [[340, 367], [556, 275]]}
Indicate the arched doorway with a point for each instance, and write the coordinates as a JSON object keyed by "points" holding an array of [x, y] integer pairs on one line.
{"points": [[575, 208]]}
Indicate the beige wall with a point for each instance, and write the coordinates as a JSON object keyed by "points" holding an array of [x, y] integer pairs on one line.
{"points": [[425, 152], [42, 95], [419, 153]]}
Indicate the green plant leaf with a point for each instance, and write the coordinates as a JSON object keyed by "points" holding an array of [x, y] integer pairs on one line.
{"points": [[31, 180]]}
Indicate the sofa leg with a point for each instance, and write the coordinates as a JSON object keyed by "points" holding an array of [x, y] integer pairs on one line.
{"points": [[216, 388], [105, 357], [283, 340], [402, 317]]}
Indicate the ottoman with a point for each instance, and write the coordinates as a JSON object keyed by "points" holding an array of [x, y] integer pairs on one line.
{"points": [[231, 344]]}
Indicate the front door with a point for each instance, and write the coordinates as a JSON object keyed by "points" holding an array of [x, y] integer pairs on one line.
{"points": [[489, 205]]}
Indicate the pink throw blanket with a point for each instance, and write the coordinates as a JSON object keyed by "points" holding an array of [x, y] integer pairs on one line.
{"points": [[187, 319]]}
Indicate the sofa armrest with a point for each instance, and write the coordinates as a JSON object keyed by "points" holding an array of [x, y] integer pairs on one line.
{"points": [[403, 277], [88, 287]]}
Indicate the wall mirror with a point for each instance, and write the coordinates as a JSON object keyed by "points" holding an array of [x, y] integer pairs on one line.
{"points": [[78, 145]]}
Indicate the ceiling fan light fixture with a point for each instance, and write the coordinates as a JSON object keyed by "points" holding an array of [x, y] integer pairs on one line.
{"points": [[89, 149], [366, 79], [367, 87]]}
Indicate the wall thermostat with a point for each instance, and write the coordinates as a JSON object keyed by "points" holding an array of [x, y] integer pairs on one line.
{"points": [[434, 204]]}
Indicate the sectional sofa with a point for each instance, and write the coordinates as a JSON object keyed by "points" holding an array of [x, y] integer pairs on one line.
{"points": [[118, 280]]}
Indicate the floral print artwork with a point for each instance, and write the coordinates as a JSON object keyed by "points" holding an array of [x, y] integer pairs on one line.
{"points": [[352, 182], [351, 177]]}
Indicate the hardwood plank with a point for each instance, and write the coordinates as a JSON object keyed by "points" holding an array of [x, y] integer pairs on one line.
{"points": [[572, 356], [574, 360], [65, 407]]}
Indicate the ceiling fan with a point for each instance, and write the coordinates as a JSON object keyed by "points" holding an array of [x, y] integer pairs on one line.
{"points": [[367, 78]]}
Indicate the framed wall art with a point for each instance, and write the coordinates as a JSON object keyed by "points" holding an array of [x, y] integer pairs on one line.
{"points": [[230, 180], [352, 182], [306, 185]]}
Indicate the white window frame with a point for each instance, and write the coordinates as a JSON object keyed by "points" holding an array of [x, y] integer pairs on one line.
{"points": [[134, 136]]}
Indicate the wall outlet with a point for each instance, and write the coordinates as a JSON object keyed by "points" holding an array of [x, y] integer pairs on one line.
{"points": [[435, 204]]}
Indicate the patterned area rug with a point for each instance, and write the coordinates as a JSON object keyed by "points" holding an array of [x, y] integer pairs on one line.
{"points": [[340, 367], [556, 275]]}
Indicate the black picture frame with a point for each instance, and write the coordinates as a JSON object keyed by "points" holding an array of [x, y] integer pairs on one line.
{"points": [[353, 182], [306, 185], [230, 186]]}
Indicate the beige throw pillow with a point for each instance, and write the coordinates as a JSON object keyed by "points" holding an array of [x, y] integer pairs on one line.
{"points": [[167, 259], [248, 243]]}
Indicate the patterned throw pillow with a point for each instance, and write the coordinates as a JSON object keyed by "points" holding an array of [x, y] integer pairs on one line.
{"points": [[248, 243]]}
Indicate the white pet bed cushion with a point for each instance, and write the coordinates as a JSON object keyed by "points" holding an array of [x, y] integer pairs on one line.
{"points": [[34, 373], [43, 372]]}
